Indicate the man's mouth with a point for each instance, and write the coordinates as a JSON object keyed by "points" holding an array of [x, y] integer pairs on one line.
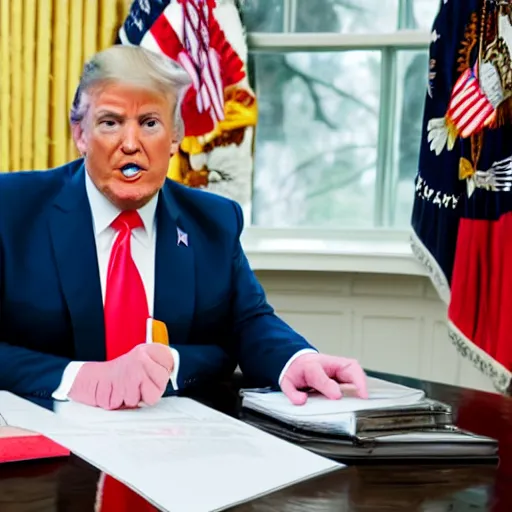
{"points": [[131, 171]]}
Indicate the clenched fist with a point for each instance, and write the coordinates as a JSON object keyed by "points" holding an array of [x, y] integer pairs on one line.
{"points": [[141, 375]]}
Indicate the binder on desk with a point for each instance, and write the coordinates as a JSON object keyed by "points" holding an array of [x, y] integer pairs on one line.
{"points": [[18, 445], [396, 422]]}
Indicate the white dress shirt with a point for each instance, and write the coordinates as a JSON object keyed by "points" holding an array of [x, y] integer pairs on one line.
{"points": [[143, 247]]}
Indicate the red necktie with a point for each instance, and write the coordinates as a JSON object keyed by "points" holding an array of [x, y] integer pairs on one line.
{"points": [[126, 305], [113, 496]]}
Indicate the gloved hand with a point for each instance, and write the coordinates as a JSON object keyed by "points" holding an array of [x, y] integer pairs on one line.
{"points": [[325, 374], [141, 375]]}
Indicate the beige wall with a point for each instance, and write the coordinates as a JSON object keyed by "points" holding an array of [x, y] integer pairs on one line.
{"points": [[389, 323]]}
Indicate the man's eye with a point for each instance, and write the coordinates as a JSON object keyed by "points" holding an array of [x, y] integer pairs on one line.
{"points": [[109, 123], [151, 123]]}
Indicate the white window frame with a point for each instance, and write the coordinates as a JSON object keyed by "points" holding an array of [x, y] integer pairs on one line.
{"points": [[381, 249]]}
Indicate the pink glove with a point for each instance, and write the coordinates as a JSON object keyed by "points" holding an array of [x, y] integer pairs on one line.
{"points": [[141, 375], [328, 375]]}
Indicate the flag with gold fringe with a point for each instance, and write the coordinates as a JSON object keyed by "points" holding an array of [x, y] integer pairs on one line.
{"points": [[207, 38], [462, 215]]}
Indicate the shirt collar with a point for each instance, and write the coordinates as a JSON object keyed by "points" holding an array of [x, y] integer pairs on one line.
{"points": [[104, 212]]}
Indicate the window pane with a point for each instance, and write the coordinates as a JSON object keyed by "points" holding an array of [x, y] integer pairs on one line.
{"points": [[346, 16], [316, 140], [425, 12], [412, 80], [263, 15], [340, 16]]}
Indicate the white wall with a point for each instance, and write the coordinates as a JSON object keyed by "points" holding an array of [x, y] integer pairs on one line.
{"points": [[389, 323]]}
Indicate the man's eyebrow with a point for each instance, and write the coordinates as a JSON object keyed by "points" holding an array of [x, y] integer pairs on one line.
{"points": [[106, 112], [152, 113]]}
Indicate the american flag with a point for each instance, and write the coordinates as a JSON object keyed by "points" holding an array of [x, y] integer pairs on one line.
{"points": [[187, 32], [469, 108]]}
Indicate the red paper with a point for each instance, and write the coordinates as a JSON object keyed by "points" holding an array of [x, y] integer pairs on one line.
{"points": [[18, 445]]}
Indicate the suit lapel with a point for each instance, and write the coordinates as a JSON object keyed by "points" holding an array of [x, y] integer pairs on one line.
{"points": [[72, 236], [174, 271]]}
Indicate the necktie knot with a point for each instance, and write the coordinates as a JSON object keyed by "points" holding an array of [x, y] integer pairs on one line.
{"points": [[127, 220]]}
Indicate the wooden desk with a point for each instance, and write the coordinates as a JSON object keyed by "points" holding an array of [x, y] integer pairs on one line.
{"points": [[71, 485]]}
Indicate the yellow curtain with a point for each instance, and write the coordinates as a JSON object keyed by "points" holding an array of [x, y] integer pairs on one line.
{"points": [[43, 46]]}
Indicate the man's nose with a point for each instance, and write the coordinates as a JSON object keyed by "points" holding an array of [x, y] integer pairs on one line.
{"points": [[131, 140]]}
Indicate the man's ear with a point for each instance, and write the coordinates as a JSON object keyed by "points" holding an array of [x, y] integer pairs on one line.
{"points": [[175, 146], [79, 137]]}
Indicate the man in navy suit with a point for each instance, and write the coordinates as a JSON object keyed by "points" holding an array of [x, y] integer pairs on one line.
{"points": [[91, 250]]}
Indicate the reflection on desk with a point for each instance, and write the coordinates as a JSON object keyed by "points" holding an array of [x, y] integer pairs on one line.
{"points": [[71, 485]]}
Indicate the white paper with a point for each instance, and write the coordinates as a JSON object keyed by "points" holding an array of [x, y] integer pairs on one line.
{"points": [[432, 437], [336, 416], [179, 454], [381, 394]]}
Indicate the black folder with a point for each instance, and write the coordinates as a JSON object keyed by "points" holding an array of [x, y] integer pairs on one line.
{"points": [[423, 432]]}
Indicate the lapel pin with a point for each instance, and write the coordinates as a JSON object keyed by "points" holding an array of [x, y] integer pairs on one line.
{"points": [[182, 237]]}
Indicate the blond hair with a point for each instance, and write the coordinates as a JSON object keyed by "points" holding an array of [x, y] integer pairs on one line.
{"points": [[136, 66]]}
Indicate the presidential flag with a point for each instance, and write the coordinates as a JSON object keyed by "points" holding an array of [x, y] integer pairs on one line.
{"points": [[462, 220]]}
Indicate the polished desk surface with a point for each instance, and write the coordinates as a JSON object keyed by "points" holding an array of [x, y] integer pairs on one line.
{"points": [[71, 484]]}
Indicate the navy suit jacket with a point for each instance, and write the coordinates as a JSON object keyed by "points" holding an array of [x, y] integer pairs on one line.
{"points": [[51, 309]]}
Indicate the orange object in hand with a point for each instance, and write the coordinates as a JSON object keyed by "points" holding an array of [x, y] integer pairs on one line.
{"points": [[160, 334]]}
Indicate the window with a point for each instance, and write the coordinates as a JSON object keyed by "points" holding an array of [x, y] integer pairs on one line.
{"points": [[341, 86]]}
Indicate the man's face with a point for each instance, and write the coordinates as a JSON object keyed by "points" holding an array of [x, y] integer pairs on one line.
{"points": [[125, 127]]}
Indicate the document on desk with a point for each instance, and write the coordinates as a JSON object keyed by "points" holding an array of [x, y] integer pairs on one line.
{"points": [[180, 455], [334, 416]]}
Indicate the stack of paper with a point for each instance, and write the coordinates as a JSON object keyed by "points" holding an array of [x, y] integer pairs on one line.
{"points": [[179, 454], [320, 414], [394, 422]]}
